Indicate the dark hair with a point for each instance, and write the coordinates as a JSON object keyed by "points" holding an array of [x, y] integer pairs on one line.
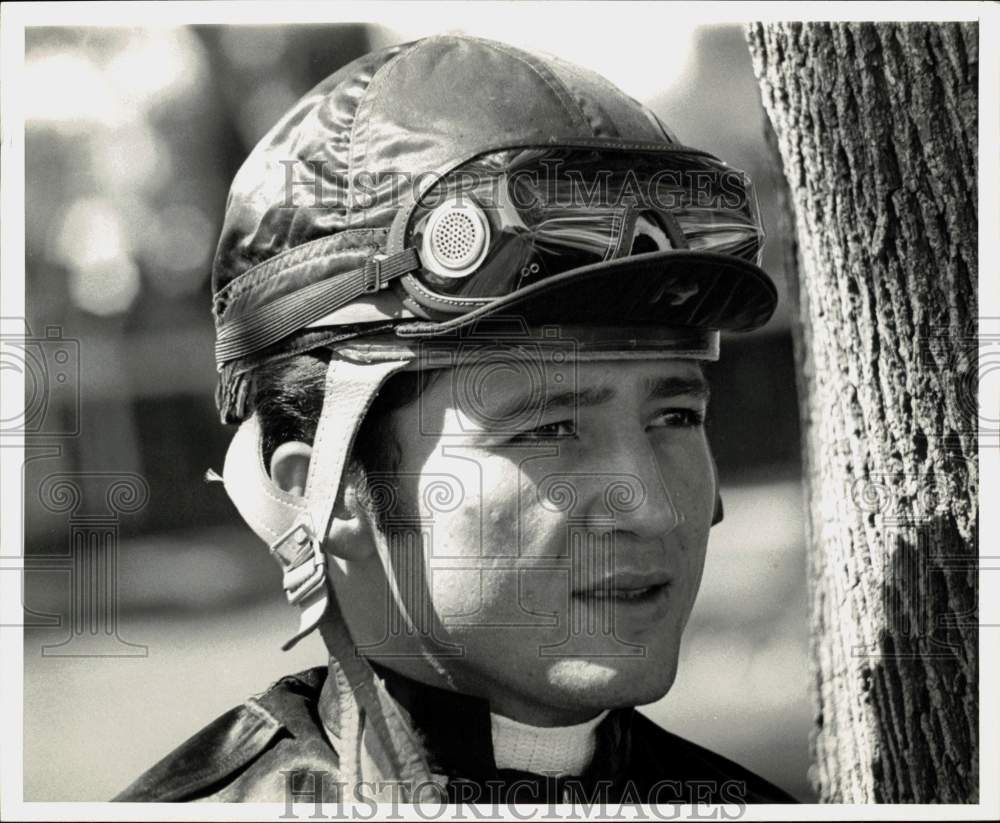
{"points": [[287, 397]]}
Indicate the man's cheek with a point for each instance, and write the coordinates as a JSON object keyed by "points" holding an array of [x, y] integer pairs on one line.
{"points": [[486, 597], [513, 525], [458, 594], [545, 594], [501, 530]]}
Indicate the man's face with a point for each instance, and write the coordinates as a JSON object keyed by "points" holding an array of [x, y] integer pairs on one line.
{"points": [[564, 516]]}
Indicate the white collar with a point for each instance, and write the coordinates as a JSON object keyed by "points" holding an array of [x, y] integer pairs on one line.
{"points": [[549, 750]]}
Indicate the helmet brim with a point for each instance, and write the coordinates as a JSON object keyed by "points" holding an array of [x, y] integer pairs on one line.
{"points": [[668, 288]]}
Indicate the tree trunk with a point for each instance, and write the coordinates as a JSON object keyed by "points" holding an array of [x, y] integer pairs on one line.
{"points": [[877, 130]]}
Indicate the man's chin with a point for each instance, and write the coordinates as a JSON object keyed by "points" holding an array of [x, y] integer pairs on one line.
{"points": [[613, 682]]}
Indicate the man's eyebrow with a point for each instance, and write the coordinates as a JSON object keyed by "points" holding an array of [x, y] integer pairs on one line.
{"points": [[657, 388], [661, 388], [578, 399], [542, 405]]}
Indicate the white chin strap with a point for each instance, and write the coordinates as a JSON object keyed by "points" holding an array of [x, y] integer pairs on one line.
{"points": [[295, 527], [375, 741]]}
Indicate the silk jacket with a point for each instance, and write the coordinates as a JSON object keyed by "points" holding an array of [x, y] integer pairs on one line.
{"points": [[277, 747]]}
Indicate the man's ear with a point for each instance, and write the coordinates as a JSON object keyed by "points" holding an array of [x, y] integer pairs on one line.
{"points": [[290, 466], [350, 534]]}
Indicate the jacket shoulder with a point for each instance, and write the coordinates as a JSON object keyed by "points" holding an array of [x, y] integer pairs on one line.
{"points": [[243, 749], [674, 757]]}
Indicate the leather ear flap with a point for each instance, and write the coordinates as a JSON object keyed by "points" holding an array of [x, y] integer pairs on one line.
{"points": [[719, 513]]}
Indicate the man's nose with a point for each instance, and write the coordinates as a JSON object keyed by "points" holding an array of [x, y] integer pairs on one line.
{"points": [[631, 491]]}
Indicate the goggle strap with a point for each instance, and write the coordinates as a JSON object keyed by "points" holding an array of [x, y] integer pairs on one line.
{"points": [[271, 322], [673, 229]]}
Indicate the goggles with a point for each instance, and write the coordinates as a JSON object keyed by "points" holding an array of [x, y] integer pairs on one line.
{"points": [[511, 219]]}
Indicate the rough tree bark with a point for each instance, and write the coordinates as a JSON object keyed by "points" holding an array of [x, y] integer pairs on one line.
{"points": [[877, 130]]}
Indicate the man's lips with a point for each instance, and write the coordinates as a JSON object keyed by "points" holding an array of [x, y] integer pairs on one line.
{"points": [[625, 586]]}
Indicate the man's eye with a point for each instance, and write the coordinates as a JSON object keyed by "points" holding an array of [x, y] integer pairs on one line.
{"points": [[678, 418], [559, 429]]}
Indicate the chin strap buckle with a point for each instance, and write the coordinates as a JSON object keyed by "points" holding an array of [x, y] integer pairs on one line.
{"points": [[300, 554]]}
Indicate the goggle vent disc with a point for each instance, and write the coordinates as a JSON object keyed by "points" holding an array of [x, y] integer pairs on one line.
{"points": [[455, 240]]}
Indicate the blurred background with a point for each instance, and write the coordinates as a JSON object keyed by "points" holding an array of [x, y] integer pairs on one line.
{"points": [[133, 136]]}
